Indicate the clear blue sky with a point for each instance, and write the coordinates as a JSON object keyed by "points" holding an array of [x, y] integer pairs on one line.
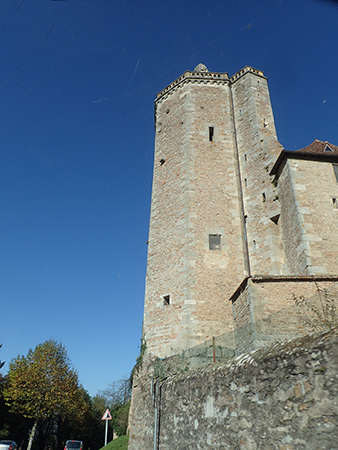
{"points": [[77, 83]]}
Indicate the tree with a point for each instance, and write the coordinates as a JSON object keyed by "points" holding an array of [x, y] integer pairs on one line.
{"points": [[118, 392], [120, 419], [44, 386], [117, 399]]}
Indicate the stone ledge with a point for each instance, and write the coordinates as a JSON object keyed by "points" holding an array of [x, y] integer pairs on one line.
{"points": [[280, 278]]}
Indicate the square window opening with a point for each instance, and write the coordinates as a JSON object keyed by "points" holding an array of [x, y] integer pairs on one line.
{"points": [[214, 242]]}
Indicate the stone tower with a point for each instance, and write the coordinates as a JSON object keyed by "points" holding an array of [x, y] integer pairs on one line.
{"points": [[214, 148], [242, 249]]}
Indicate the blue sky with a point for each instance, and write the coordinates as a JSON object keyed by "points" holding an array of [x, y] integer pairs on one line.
{"points": [[77, 83]]}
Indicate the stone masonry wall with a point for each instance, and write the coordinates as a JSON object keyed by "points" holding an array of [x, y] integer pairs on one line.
{"points": [[258, 148], [290, 225], [309, 217], [195, 193], [270, 296], [266, 310], [284, 397]]}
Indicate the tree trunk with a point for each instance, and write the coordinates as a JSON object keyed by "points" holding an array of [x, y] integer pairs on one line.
{"points": [[32, 435]]}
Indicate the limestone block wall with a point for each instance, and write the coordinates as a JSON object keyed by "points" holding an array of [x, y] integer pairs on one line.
{"points": [[258, 148], [291, 225], [265, 310], [283, 397], [195, 194], [215, 146], [309, 218]]}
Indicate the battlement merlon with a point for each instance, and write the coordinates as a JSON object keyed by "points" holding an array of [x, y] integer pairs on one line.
{"points": [[244, 71], [202, 74]]}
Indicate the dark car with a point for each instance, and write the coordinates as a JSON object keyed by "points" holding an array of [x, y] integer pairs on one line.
{"points": [[72, 445], [8, 445]]}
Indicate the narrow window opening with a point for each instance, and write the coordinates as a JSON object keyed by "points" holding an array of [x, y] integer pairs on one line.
{"points": [[264, 197], [335, 203], [245, 182], [166, 300], [254, 245], [335, 170], [245, 158], [211, 134], [214, 242]]}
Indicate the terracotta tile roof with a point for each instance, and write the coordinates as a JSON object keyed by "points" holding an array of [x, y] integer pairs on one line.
{"points": [[319, 147], [317, 151]]}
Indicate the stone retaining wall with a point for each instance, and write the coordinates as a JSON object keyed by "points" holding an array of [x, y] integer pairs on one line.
{"points": [[283, 397]]}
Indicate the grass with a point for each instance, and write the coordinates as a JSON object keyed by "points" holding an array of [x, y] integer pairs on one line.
{"points": [[121, 443]]}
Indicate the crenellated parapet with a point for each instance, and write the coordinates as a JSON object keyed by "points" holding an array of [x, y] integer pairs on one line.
{"points": [[201, 75], [245, 70]]}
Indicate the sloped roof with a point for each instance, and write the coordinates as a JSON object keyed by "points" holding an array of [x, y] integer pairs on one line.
{"points": [[317, 151], [318, 146]]}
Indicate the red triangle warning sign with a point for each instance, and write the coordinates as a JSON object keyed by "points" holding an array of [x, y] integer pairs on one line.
{"points": [[106, 415]]}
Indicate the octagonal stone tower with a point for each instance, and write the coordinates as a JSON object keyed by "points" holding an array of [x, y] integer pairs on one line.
{"points": [[215, 145]]}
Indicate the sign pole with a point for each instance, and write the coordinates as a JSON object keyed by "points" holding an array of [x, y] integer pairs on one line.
{"points": [[106, 433], [106, 417]]}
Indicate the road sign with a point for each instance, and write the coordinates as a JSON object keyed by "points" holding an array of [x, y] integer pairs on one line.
{"points": [[106, 415]]}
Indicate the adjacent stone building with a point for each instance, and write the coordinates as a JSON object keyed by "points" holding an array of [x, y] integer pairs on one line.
{"points": [[239, 227]]}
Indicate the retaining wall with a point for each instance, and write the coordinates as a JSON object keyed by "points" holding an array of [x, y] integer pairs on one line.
{"points": [[283, 397]]}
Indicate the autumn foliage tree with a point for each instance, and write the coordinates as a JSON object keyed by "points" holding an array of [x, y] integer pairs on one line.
{"points": [[44, 387]]}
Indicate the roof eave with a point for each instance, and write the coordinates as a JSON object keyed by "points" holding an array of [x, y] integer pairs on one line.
{"points": [[288, 154]]}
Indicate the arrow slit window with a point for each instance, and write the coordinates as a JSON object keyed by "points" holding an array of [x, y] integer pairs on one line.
{"points": [[211, 134]]}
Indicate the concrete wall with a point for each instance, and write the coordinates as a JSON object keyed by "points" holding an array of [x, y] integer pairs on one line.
{"points": [[283, 397]]}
